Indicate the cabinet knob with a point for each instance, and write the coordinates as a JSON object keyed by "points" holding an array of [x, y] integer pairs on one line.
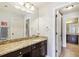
{"points": [[20, 52], [42, 43], [34, 47]]}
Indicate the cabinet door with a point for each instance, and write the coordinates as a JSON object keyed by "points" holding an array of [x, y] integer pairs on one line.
{"points": [[39, 49], [43, 48], [46, 47], [36, 50], [26, 52], [74, 39], [42, 51], [36, 53]]}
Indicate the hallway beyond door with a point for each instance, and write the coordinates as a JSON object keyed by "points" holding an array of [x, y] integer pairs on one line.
{"points": [[71, 50]]}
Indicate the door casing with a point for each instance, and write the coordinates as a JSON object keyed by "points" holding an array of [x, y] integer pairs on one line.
{"points": [[56, 9]]}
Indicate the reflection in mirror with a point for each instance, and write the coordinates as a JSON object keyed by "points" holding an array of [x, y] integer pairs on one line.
{"points": [[17, 21]]}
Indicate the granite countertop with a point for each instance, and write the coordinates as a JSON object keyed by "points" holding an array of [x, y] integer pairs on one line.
{"points": [[16, 45]]}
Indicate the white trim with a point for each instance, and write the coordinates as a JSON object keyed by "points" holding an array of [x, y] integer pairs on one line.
{"points": [[60, 7]]}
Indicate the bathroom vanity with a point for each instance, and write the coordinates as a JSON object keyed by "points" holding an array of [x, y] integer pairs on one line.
{"points": [[26, 47], [72, 38]]}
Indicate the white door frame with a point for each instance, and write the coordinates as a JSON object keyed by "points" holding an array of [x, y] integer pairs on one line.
{"points": [[56, 9], [58, 42]]}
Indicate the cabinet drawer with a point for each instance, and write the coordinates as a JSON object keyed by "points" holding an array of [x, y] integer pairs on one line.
{"points": [[37, 45], [42, 43], [45, 41], [25, 50], [18, 52], [12, 54], [35, 53]]}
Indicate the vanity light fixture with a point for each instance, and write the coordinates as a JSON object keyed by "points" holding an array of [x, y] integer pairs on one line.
{"points": [[21, 8], [27, 5]]}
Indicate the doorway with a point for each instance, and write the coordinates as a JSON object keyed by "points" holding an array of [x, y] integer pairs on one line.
{"points": [[61, 29], [27, 27]]}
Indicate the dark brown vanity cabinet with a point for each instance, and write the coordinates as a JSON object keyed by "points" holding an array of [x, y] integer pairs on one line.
{"points": [[18, 53], [39, 49], [35, 50], [43, 48], [72, 39]]}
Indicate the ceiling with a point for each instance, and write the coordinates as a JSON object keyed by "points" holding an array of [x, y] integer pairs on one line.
{"points": [[42, 4], [69, 10], [9, 6]]}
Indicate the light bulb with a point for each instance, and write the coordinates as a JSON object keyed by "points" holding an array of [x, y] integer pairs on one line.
{"points": [[32, 8], [27, 5], [69, 8]]}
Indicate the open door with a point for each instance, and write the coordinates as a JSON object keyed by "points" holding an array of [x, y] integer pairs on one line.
{"points": [[58, 34]]}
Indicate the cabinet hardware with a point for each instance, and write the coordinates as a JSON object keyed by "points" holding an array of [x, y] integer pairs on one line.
{"points": [[42, 43], [56, 51], [55, 15], [20, 52], [34, 47], [56, 33]]}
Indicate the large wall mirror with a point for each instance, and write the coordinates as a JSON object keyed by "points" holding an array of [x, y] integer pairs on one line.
{"points": [[16, 21]]}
